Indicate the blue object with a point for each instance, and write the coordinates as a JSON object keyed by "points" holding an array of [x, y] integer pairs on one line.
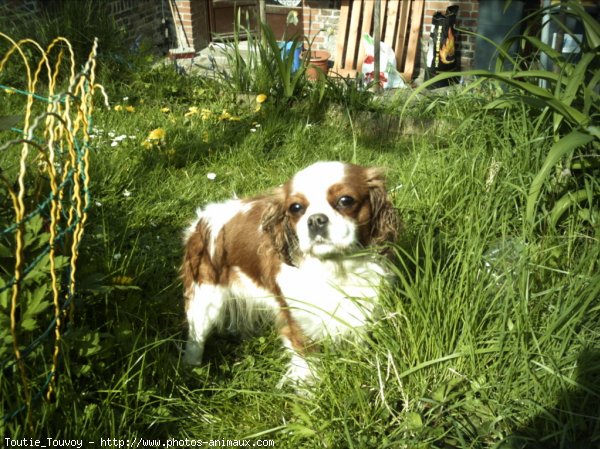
{"points": [[286, 47]]}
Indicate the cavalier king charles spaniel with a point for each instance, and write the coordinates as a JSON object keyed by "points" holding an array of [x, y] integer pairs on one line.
{"points": [[308, 255]]}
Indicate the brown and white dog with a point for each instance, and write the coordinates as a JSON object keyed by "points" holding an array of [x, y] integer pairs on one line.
{"points": [[297, 254]]}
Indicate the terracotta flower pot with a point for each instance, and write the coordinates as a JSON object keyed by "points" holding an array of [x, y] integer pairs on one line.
{"points": [[318, 64]]}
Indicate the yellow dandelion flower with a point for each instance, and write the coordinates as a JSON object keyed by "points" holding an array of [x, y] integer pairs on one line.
{"points": [[205, 114], [261, 98], [147, 144], [225, 115], [192, 110], [129, 108], [157, 134], [118, 108], [165, 110], [122, 280]]}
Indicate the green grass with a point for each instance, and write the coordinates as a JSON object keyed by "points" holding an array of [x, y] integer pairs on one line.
{"points": [[488, 338]]}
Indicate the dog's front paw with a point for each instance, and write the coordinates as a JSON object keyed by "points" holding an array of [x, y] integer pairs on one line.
{"points": [[300, 375], [193, 353]]}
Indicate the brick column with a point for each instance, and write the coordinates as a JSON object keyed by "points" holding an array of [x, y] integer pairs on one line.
{"points": [[191, 23], [468, 13]]}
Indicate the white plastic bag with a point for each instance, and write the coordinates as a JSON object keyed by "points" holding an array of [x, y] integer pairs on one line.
{"points": [[389, 77]]}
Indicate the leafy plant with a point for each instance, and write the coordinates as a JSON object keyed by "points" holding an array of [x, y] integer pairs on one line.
{"points": [[267, 64], [565, 98], [289, 81], [26, 322]]}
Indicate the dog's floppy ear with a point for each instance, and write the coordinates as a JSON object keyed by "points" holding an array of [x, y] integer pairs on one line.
{"points": [[275, 223], [385, 221]]}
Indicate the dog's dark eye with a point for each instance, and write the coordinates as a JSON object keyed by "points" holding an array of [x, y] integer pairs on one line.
{"points": [[345, 202], [296, 208]]}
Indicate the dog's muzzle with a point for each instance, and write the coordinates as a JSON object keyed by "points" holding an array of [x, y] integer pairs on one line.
{"points": [[317, 225]]}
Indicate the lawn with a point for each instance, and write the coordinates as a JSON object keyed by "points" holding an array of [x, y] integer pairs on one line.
{"points": [[488, 337]]}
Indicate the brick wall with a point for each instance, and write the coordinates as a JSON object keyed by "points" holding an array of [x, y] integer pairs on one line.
{"points": [[468, 13], [142, 20], [191, 24], [320, 25]]}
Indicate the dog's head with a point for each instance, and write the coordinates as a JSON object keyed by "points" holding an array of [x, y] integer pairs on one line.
{"points": [[331, 208]]}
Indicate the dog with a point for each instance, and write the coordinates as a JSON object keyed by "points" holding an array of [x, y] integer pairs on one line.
{"points": [[309, 255]]}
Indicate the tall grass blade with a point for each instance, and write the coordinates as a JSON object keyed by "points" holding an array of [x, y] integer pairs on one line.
{"points": [[564, 146]]}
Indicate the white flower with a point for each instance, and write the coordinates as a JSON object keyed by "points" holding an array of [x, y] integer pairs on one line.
{"points": [[211, 176], [117, 256], [114, 143], [126, 193]]}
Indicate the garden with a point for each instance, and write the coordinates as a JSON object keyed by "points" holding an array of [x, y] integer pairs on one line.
{"points": [[488, 338]]}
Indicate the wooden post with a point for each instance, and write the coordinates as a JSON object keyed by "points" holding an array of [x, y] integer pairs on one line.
{"points": [[413, 38], [377, 41]]}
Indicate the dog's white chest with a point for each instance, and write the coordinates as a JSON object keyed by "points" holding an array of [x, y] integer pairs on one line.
{"points": [[331, 298]]}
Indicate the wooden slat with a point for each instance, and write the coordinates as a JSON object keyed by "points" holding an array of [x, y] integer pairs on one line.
{"points": [[413, 38], [367, 22], [341, 35], [391, 18], [400, 38], [400, 25], [351, 49]]}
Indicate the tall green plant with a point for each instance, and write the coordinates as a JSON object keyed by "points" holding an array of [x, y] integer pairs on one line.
{"points": [[566, 97], [266, 65], [289, 81]]}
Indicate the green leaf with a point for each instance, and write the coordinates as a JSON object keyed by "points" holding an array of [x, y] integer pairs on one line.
{"points": [[565, 202], [561, 148], [413, 421], [4, 295], [540, 45], [5, 251], [594, 131], [543, 74], [590, 25], [576, 80], [592, 215], [60, 262], [28, 324], [34, 226], [36, 301], [590, 94]]}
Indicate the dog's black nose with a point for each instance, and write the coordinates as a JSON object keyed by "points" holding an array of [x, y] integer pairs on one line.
{"points": [[317, 225]]}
